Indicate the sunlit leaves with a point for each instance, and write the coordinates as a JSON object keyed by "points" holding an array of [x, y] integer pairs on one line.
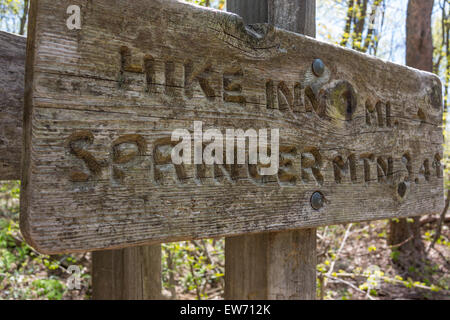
{"points": [[11, 11], [217, 4]]}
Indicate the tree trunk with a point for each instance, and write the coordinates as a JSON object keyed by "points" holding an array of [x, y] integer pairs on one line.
{"points": [[23, 18], [360, 21], [419, 39], [348, 24], [405, 236]]}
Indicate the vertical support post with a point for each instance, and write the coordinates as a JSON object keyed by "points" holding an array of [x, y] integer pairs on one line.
{"points": [[294, 15], [127, 274], [274, 265], [252, 11]]}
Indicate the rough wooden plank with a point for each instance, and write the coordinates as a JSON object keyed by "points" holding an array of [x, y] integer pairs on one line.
{"points": [[127, 274], [278, 265], [12, 81], [366, 134], [271, 266]]}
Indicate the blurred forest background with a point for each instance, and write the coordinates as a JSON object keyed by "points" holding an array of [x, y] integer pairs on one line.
{"points": [[399, 259]]}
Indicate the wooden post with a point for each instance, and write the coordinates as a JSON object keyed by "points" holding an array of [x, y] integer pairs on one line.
{"points": [[127, 274], [294, 15], [274, 265]]}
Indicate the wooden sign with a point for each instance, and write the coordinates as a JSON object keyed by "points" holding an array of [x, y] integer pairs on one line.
{"points": [[12, 80], [360, 138]]}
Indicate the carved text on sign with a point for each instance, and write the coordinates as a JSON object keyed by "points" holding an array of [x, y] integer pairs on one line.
{"points": [[298, 165]]}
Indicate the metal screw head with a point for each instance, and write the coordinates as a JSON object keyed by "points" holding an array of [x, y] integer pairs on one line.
{"points": [[402, 189], [318, 67], [317, 201]]}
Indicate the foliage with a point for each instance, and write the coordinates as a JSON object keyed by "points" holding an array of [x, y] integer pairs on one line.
{"points": [[13, 14], [441, 43], [194, 267], [363, 268], [218, 4], [9, 7], [53, 289], [441, 66], [24, 273], [364, 20]]}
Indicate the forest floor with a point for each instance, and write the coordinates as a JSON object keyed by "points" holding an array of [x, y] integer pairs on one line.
{"points": [[355, 263]]}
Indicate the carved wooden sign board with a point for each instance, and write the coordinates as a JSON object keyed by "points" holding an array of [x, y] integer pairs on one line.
{"points": [[103, 101]]}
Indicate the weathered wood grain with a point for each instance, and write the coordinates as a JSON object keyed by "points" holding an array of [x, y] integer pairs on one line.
{"points": [[127, 274], [277, 265], [251, 11], [271, 266], [103, 101], [12, 81], [293, 15]]}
